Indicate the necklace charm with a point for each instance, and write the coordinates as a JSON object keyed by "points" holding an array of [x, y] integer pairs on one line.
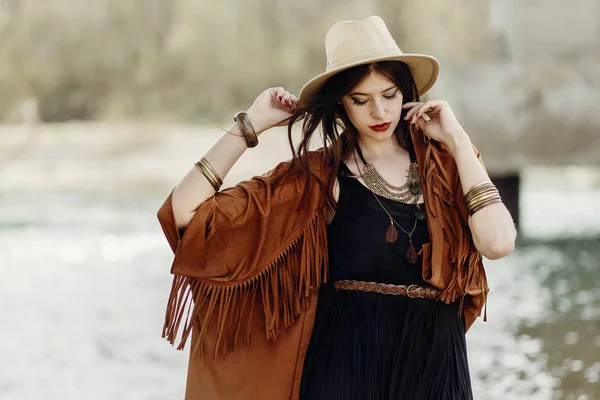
{"points": [[391, 235], [411, 253], [420, 214]]}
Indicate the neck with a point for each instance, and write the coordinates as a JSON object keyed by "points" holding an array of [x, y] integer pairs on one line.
{"points": [[376, 150]]}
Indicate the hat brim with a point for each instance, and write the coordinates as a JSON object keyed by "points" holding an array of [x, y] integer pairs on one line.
{"points": [[425, 70]]}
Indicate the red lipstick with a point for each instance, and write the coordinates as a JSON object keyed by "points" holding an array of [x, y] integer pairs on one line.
{"points": [[381, 127]]}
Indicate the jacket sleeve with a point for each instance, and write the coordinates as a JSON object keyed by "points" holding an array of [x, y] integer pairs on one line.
{"points": [[251, 241]]}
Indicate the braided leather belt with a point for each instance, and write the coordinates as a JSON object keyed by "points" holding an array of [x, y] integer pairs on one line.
{"points": [[412, 291]]}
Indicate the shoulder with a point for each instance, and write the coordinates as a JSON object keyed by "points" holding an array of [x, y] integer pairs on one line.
{"points": [[318, 164], [319, 160]]}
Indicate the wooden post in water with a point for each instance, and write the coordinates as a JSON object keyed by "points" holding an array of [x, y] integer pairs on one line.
{"points": [[509, 188]]}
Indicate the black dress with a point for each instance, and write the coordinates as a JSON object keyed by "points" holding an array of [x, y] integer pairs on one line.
{"points": [[367, 345]]}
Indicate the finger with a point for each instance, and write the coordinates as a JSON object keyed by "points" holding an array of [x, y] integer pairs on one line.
{"points": [[421, 123], [281, 97], [430, 107], [289, 102], [413, 108], [411, 112], [279, 92], [416, 116]]}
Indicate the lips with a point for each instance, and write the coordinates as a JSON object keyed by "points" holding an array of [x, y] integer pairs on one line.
{"points": [[381, 127]]}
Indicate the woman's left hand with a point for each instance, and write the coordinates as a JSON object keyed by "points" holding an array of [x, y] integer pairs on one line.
{"points": [[442, 125]]}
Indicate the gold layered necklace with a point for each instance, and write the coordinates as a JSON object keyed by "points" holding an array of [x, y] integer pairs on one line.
{"points": [[408, 193]]}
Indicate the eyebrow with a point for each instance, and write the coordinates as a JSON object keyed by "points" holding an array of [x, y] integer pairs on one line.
{"points": [[366, 94]]}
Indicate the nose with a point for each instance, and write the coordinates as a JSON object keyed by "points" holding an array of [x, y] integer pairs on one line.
{"points": [[378, 109]]}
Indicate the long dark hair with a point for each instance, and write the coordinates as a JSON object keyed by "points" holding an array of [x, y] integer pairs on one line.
{"points": [[339, 136]]}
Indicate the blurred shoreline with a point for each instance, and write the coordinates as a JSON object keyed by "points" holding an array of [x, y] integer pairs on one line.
{"points": [[108, 156], [133, 158]]}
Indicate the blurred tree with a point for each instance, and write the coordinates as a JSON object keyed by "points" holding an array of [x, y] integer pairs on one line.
{"points": [[188, 60], [455, 32]]}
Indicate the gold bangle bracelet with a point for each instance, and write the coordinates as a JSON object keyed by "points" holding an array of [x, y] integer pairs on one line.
{"points": [[481, 190], [479, 200], [478, 189], [475, 205], [208, 170], [482, 196], [209, 167], [479, 186], [209, 173], [214, 174], [483, 205]]}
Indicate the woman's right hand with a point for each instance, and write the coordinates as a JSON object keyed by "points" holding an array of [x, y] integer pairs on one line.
{"points": [[272, 108]]}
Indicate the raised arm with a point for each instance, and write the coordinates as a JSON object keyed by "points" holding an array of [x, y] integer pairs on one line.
{"points": [[492, 227], [271, 108]]}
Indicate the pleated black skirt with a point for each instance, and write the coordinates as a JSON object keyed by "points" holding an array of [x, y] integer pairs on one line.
{"points": [[373, 346]]}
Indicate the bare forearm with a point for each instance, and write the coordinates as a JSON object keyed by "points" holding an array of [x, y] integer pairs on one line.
{"points": [[273, 107], [195, 188], [492, 227]]}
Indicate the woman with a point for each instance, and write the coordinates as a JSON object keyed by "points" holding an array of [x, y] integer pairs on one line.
{"points": [[374, 226]]}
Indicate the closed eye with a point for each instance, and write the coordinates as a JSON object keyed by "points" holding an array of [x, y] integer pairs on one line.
{"points": [[360, 103]]}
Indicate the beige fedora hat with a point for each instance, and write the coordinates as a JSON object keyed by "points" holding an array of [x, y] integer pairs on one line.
{"points": [[352, 43]]}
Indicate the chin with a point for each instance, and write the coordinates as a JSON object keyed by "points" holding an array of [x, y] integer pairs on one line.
{"points": [[384, 135]]}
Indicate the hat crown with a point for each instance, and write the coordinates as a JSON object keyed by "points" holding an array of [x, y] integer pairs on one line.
{"points": [[347, 41], [352, 43]]}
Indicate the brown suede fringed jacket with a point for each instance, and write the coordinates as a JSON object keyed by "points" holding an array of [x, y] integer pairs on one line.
{"points": [[248, 267]]}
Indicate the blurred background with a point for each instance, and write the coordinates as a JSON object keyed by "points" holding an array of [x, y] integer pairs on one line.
{"points": [[105, 105]]}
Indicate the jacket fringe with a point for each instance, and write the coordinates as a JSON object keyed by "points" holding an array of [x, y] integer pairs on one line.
{"points": [[284, 288], [468, 272]]}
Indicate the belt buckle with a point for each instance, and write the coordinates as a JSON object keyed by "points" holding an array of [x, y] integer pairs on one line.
{"points": [[408, 291]]}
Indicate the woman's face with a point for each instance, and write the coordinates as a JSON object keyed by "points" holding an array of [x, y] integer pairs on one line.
{"points": [[375, 101]]}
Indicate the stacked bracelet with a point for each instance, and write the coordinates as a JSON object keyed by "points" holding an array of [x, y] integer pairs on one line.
{"points": [[480, 196], [247, 129], [209, 173]]}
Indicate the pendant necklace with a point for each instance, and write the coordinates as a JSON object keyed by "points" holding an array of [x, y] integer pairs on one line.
{"points": [[391, 234]]}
